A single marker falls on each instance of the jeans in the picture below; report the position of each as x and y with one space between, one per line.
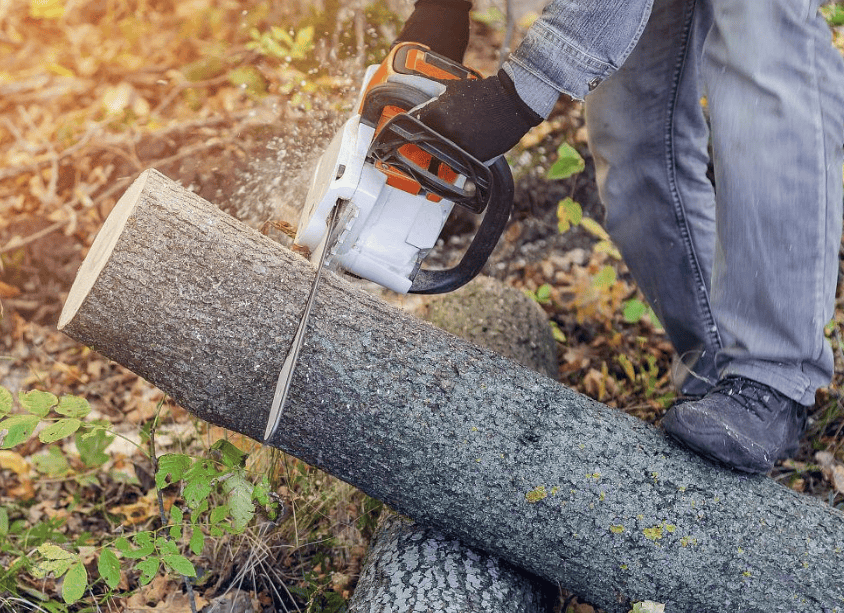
742 275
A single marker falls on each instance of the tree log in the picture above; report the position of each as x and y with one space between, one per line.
411 568
489 313
454 436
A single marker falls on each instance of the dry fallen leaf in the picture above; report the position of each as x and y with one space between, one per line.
140 511
173 602
832 469
15 462
8 291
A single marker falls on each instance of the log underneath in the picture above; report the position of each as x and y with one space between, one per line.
454 436
411 569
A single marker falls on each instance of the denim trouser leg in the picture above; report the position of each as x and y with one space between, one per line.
775 88
776 91
648 135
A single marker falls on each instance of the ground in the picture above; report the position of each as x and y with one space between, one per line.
93 93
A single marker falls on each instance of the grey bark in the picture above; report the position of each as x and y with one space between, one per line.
493 315
413 569
454 436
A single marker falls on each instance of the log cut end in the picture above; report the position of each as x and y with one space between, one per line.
101 250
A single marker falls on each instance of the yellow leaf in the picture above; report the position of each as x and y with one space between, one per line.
605 278
14 462
60 70
627 367
605 246
594 228
46 9
527 20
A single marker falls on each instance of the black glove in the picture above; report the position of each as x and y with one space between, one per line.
441 25
485 117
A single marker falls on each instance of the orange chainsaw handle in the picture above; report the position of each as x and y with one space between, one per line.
414 59
383 100
417 159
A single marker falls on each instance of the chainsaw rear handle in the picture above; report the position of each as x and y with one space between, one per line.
406 147
498 210
415 157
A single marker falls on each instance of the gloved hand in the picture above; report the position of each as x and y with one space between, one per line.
441 25
485 117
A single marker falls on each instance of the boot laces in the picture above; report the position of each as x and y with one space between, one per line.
751 395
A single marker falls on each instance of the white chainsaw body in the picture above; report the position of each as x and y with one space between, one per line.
385 232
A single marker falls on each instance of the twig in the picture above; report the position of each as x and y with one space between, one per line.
201 123
180 87
129 156
50 195
189 151
508 32
13 130
14 171
15 243
32 605
52 187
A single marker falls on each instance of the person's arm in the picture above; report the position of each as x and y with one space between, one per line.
441 25
570 48
573 46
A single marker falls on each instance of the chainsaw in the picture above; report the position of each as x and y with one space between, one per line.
399 181
385 187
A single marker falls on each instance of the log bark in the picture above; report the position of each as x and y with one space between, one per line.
456 437
411 568
500 318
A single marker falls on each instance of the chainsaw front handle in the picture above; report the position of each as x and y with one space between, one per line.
498 209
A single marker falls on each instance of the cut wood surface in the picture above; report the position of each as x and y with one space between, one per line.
454 436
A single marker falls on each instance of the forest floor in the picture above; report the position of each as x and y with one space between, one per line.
91 94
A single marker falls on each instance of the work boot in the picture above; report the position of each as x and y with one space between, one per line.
741 423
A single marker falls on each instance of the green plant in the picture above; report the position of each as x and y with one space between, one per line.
219 495
601 286
834 14
569 162
542 295
492 17
557 332
569 213
282 44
